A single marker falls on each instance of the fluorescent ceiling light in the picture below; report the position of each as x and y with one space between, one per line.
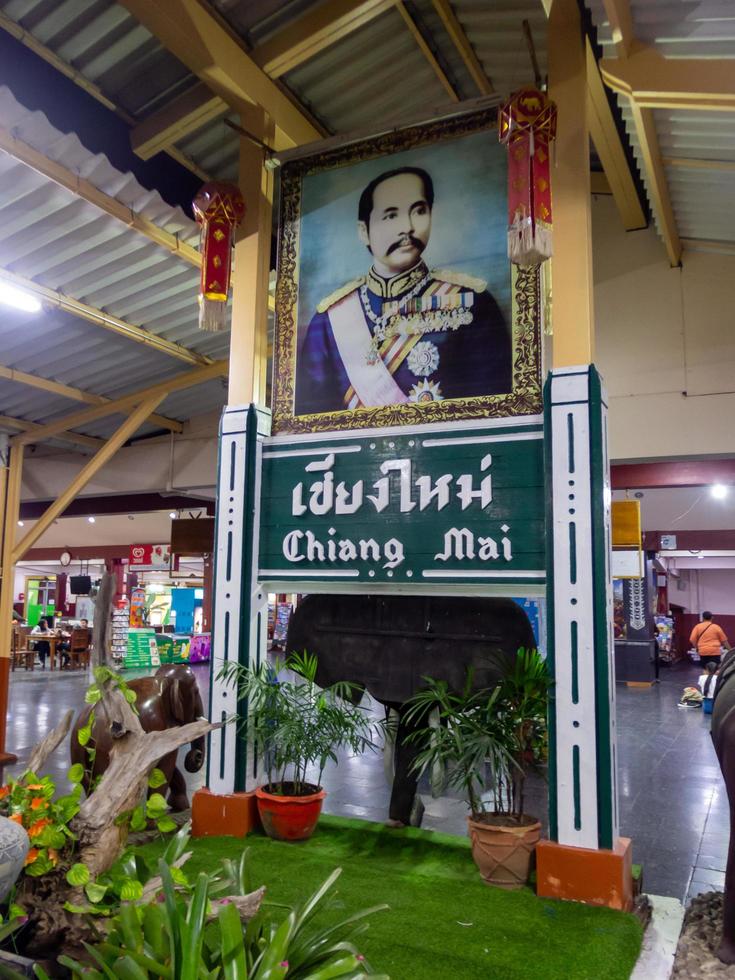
172 515
21 300
91 520
719 491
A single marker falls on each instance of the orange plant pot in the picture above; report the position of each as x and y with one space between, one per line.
289 818
503 854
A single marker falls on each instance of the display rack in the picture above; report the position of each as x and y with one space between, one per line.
119 644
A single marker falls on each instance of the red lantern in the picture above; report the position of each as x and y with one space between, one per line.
527 126
219 208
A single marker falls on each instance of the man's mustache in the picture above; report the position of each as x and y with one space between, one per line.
406 240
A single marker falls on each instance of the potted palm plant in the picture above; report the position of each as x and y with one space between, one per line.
488 740
296 728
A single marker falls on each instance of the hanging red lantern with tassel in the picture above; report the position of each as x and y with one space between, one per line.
219 208
527 126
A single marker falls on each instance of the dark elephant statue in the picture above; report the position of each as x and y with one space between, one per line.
388 644
168 699
723 736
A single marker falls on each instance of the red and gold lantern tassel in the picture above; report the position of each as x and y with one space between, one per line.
219 208
527 126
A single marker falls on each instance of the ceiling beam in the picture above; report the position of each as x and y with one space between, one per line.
427 50
621 25
658 187
176 120
689 163
704 245
193 32
124 404
105 320
599 184
608 144
314 31
461 42
67 391
21 425
93 195
655 82
104 454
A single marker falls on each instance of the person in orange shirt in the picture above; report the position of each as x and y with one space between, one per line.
708 639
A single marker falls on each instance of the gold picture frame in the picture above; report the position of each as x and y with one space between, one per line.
525 397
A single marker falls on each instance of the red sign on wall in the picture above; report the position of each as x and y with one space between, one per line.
149 556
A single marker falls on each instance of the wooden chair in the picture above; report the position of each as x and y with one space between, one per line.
21 652
79 647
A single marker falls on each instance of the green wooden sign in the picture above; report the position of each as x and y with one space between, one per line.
429 506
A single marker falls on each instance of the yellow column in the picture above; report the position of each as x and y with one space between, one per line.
11 509
573 310
249 337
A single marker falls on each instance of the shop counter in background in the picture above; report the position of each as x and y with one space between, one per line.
173 648
200 649
142 648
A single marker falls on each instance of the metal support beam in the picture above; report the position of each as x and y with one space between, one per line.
105 320
10 503
76 394
192 31
427 50
123 405
655 82
461 42
319 28
250 279
22 425
176 120
93 195
126 430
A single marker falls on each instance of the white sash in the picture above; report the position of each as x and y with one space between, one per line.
373 383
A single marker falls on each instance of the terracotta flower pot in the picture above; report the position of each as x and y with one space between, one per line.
287 817
503 853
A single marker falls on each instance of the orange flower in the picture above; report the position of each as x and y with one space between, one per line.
31 856
35 829
34 786
4 791
53 855
16 818
37 802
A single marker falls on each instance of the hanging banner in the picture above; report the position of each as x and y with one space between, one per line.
149 557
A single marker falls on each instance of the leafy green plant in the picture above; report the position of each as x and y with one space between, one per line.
294 723
487 739
193 934
30 801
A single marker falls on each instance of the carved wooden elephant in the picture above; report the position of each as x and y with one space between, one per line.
389 644
168 699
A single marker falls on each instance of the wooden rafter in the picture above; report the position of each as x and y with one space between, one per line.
59 174
187 113
76 394
105 320
107 451
22 425
621 25
655 82
426 50
192 31
313 32
690 163
123 405
461 42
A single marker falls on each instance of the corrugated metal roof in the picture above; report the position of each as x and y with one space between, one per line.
50 235
702 200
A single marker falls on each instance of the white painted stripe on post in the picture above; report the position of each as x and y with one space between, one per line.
489 573
228 578
316 451
610 620
269 573
573 603
477 440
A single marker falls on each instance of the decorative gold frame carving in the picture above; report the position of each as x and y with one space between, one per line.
526 395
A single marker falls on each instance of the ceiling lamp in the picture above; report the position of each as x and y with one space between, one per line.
18 298
90 519
719 491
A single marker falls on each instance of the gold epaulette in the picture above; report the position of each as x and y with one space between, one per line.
460 279
339 294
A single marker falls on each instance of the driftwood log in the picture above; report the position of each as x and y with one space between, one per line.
51 929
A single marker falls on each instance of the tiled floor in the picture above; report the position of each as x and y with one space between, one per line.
672 799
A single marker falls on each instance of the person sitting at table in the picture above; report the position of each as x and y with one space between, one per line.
43 647
63 646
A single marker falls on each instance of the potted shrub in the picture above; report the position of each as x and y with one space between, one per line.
489 740
296 728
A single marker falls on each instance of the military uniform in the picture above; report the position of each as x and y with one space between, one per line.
417 337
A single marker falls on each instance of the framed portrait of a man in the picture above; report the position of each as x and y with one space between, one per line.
396 302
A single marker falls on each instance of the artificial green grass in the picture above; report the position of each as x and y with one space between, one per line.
444 922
